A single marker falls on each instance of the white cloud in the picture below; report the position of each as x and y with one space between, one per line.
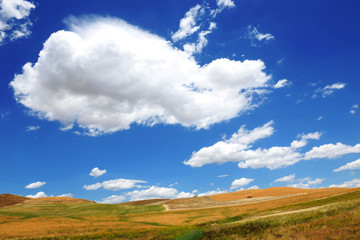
282 83
254 34
353 108
153 192
306 182
173 184
228 150
225 4
329 89
70 195
35 185
194 21
213 192
237 183
95 186
319 118
188 24
105 74
254 187
289 178
96 172
237 149
32 128
331 151
38 195
114 199
350 184
14 19
115 185
349 166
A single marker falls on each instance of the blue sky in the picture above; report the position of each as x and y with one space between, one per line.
125 100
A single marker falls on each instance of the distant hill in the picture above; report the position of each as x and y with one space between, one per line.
11 199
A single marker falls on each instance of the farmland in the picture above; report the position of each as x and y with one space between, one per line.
273 213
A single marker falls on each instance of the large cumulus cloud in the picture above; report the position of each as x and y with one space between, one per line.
104 74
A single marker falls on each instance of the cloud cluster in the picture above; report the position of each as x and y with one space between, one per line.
238 149
105 74
329 89
301 182
35 185
14 19
354 108
115 185
154 192
96 172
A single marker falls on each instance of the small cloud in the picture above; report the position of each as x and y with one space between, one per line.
96 172
319 118
35 185
237 183
173 184
214 192
282 83
289 178
353 108
221 176
66 195
254 34
280 61
6 114
32 128
38 195
95 186
222 4
212 184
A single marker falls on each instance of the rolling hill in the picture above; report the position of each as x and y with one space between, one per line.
256 213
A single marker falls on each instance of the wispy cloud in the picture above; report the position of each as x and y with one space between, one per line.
32 128
256 37
329 89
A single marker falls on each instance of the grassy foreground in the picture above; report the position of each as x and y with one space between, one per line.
336 217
